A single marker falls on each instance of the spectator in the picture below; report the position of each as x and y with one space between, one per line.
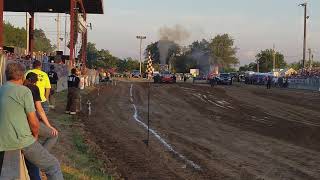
45 58
43 84
48 135
269 81
47 131
53 77
20 129
73 92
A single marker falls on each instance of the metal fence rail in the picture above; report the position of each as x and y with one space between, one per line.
308 84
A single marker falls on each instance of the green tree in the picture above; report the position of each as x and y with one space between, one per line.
295 65
127 65
109 60
132 64
153 48
223 51
316 64
265 59
184 63
248 67
92 55
154 51
14 36
199 46
42 43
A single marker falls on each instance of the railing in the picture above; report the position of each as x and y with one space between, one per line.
305 83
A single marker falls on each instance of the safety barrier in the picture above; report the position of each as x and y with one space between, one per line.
308 83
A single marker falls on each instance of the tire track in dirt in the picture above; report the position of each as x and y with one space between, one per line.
235 142
256 156
161 140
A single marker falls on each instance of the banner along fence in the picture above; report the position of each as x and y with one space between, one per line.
308 84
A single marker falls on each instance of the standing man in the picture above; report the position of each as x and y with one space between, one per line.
213 81
73 92
43 84
19 125
53 77
269 81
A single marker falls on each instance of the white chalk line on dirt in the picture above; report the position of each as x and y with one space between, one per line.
167 145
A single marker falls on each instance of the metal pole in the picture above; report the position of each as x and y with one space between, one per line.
31 33
140 56
274 58
304 36
309 50
141 38
27 33
149 84
311 63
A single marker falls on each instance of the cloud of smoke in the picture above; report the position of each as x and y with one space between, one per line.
169 36
203 60
177 33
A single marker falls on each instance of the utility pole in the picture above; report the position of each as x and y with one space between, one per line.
258 66
141 38
305 33
274 58
311 63
27 31
310 53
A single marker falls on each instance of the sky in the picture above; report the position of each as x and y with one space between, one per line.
255 25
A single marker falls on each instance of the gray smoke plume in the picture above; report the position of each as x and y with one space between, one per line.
177 33
169 36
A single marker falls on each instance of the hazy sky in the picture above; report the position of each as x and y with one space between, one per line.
254 24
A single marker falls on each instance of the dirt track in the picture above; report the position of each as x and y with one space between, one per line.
238 132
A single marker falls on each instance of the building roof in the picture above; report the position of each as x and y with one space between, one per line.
51 6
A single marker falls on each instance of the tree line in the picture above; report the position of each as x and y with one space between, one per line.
264 61
104 59
16 37
219 51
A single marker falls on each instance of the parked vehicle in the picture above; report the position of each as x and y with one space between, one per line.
224 78
164 77
136 74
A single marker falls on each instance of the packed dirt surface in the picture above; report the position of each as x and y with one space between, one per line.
200 132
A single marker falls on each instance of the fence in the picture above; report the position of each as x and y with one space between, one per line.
308 84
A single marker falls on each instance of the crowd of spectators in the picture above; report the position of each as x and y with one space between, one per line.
307 73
